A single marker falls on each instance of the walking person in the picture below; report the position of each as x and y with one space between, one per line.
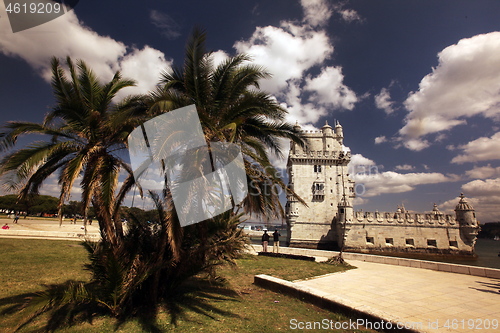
276 241
265 240
16 218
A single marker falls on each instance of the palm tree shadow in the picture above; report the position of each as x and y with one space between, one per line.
196 296
14 303
34 305
488 287
201 296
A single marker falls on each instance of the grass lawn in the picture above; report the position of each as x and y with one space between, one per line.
236 306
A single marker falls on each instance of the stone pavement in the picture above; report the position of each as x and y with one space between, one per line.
423 300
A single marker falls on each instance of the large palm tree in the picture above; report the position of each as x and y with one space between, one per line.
86 131
232 108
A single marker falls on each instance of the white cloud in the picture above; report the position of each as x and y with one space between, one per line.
370 181
145 67
482 149
289 51
304 114
383 101
327 89
393 182
316 12
63 36
51 187
219 57
380 139
357 201
347 14
361 164
67 36
482 188
167 25
483 172
416 144
404 167
465 83
350 15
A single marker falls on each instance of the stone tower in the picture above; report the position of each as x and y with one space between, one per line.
319 175
466 217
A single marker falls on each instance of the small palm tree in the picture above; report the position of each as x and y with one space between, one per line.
87 130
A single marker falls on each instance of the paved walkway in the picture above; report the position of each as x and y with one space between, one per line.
48 229
421 299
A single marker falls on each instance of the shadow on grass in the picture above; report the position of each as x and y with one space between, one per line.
197 295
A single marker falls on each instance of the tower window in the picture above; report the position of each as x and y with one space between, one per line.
319 186
431 243
317 168
454 244
370 241
318 191
410 242
389 241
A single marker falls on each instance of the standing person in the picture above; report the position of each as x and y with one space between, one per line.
16 218
265 240
276 241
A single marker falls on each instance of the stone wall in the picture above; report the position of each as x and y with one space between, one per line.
385 237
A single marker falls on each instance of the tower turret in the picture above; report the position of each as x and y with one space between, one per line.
297 127
343 220
466 217
345 212
436 213
339 132
328 137
327 129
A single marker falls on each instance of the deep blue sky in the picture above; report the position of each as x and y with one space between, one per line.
340 59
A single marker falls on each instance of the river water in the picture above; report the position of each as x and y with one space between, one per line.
487 255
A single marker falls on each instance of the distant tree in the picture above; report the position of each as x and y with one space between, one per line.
41 204
130 213
9 202
73 208
34 205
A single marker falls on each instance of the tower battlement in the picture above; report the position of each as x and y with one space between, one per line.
390 218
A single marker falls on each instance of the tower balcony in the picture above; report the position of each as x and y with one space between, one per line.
318 192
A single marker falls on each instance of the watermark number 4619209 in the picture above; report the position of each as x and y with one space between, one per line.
28 14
